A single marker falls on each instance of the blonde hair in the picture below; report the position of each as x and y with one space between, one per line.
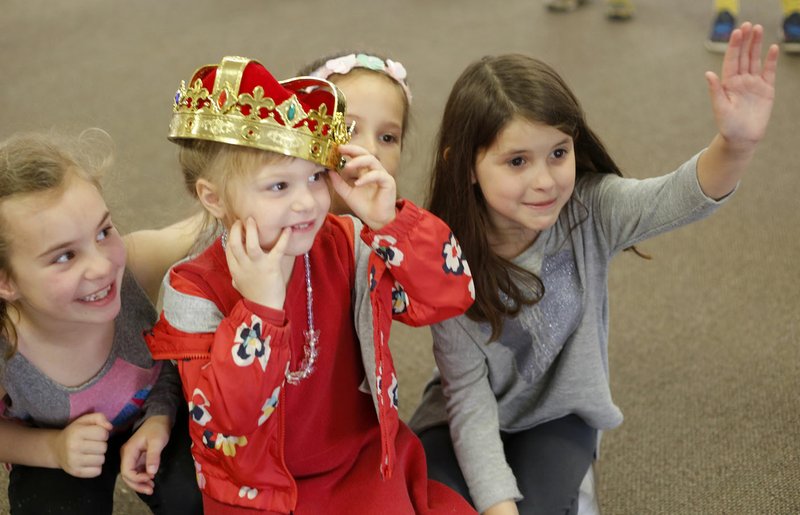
38 163
218 163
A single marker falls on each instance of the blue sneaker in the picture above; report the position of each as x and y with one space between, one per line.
721 31
790 37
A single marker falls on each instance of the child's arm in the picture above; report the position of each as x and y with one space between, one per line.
473 416
218 355
79 449
151 252
502 508
141 454
742 99
420 256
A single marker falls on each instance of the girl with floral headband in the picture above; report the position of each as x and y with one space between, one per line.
280 328
378 105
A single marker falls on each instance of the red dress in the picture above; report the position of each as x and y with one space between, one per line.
326 445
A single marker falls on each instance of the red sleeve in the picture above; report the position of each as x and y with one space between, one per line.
418 253
230 373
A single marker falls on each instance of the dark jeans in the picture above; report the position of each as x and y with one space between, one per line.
549 462
34 490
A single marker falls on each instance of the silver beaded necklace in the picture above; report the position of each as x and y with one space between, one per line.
311 334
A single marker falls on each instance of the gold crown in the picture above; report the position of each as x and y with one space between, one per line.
301 117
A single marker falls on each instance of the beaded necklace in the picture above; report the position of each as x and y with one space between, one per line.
311 334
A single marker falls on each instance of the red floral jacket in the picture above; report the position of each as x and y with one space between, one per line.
411 270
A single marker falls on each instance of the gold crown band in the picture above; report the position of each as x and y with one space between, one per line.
218 116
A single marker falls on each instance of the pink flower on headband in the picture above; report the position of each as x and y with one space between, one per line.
345 64
340 65
396 70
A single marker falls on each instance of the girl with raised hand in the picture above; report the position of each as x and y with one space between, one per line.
540 209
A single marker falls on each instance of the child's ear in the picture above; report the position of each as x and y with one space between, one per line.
210 197
8 289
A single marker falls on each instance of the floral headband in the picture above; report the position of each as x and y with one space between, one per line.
343 65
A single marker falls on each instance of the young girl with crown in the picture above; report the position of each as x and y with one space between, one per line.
280 328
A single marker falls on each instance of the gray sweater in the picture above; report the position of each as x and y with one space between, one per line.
551 360
128 389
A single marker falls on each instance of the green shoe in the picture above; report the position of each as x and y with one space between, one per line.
619 10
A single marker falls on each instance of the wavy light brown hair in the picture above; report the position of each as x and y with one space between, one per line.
37 163
484 99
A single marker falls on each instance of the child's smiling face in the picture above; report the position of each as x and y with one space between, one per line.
66 259
526 176
288 193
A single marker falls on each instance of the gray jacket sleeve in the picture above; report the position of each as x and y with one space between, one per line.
472 412
166 396
627 211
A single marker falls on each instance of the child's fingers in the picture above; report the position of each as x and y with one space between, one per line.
770 65
234 248
730 62
139 482
94 419
153 460
252 245
363 164
755 50
379 177
91 445
87 471
279 249
352 150
744 50
714 87
340 185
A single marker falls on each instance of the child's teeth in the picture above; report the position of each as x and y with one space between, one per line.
97 296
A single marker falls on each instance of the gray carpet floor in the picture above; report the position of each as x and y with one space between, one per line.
705 338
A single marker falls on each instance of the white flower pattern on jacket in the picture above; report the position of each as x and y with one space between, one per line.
384 246
250 344
198 408
454 262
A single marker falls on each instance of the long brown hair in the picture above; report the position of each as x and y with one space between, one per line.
484 99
